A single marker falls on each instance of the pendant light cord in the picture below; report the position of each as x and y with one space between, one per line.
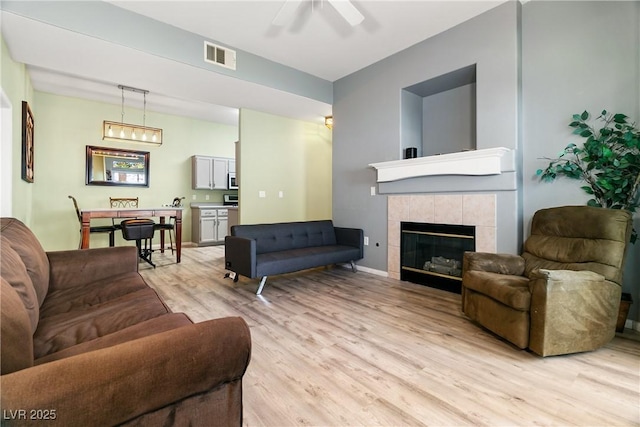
144 113
122 112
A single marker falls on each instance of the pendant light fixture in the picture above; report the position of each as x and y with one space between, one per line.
128 132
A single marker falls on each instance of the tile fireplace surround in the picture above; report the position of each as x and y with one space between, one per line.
478 210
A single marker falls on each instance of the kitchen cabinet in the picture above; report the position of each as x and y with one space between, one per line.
210 173
209 225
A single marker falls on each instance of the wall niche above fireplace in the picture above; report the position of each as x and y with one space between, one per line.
438 115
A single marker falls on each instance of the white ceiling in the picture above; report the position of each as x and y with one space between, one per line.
317 41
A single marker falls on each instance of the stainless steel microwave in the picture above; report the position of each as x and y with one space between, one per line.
232 184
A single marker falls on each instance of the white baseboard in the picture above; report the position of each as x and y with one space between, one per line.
373 271
367 270
632 324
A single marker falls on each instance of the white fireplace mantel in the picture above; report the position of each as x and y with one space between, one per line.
489 161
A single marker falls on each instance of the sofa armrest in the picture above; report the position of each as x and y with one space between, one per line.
116 384
240 255
350 237
78 267
493 263
571 311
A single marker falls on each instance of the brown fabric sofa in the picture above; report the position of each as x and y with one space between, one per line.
562 295
85 341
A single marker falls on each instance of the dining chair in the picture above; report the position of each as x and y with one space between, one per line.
95 229
122 202
170 226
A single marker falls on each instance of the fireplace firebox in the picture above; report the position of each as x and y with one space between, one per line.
431 254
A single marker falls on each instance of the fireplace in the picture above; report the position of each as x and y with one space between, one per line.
431 254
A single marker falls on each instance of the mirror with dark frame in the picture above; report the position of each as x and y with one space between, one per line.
115 166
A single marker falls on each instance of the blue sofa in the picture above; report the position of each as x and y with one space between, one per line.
261 250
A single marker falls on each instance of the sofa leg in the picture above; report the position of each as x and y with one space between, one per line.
353 267
262 282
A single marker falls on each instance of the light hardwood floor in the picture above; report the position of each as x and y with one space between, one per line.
334 348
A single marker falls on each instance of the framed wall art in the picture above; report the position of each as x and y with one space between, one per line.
27 142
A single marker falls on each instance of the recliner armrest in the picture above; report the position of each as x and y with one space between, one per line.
350 237
80 266
493 263
571 311
117 384
240 256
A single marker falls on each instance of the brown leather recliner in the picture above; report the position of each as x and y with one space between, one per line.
562 295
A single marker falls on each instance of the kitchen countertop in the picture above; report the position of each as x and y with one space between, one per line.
212 205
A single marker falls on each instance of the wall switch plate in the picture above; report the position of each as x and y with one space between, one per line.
206 197
373 191
281 194
366 240
262 194
193 197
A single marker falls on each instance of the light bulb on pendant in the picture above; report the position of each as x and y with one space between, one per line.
110 133
133 134
122 133
144 135
154 138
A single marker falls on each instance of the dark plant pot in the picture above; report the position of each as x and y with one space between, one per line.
623 312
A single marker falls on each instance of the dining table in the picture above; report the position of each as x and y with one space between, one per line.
162 213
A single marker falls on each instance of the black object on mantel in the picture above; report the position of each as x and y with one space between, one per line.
411 153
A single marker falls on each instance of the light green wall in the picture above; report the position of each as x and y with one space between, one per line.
16 85
281 154
65 125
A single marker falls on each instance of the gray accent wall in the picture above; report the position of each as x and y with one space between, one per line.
537 64
576 56
368 124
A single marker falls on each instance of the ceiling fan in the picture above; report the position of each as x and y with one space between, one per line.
344 7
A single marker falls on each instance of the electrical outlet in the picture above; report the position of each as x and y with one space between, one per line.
281 194
206 197
193 197
366 240
262 194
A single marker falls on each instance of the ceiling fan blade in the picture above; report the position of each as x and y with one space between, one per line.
285 14
348 11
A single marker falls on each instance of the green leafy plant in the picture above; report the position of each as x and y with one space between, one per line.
608 162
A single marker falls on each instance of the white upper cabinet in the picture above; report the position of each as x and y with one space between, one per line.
210 173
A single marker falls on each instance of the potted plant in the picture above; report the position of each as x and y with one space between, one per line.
609 164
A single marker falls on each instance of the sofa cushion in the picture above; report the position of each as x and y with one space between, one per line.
98 292
303 258
139 330
512 291
61 331
15 329
25 243
288 235
534 263
15 273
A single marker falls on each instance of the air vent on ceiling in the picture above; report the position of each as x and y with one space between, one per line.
218 55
